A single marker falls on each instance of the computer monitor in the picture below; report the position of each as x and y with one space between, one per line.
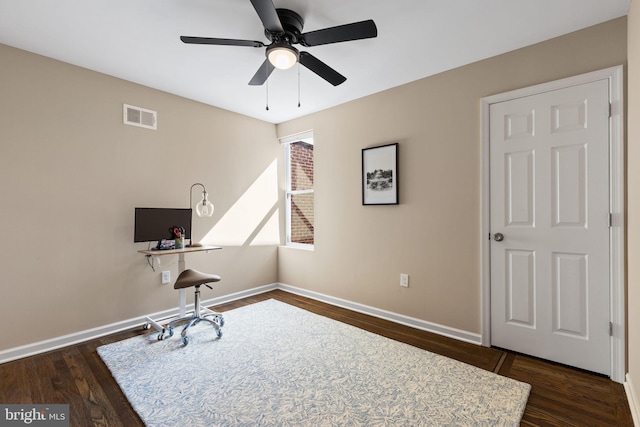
154 224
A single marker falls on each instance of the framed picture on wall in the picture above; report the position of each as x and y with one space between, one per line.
380 175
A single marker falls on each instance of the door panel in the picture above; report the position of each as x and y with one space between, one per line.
519 195
569 186
549 179
521 288
569 286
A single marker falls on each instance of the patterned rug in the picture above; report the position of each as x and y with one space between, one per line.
279 365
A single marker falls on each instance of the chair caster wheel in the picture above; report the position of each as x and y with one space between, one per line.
146 326
185 340
162 335
220 320
219 333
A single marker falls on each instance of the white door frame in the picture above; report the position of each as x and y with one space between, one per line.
617 174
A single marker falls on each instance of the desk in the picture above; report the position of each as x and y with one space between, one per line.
182 293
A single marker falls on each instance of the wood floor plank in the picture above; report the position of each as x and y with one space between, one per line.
116 405
15 385
43 373
96 407
568 396
560 396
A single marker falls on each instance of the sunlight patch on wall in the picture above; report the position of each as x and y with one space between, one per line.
253 219
269 234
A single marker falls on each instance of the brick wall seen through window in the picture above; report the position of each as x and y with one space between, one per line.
300 194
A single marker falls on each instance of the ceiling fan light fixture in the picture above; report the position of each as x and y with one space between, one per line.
282 56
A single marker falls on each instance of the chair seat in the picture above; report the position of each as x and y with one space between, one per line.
190 277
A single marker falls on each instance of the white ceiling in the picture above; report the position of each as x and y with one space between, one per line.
138 40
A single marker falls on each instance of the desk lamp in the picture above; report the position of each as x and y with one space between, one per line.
203 208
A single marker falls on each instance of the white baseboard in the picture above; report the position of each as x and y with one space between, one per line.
89 334
388 315
634 400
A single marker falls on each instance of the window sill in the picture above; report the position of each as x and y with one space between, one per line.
299 246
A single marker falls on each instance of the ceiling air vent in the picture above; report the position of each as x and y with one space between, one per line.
136 116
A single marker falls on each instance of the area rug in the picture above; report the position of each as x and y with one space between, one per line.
279 365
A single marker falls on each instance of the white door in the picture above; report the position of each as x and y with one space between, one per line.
549 184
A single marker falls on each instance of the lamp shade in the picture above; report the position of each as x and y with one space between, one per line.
204 207
282 56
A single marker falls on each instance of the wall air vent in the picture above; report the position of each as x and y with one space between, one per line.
136 116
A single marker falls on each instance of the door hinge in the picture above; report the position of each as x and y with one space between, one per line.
610 219
610 329
610 108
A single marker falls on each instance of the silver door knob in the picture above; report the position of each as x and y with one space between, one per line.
498 237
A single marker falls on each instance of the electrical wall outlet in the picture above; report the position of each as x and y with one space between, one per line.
404 280
166 277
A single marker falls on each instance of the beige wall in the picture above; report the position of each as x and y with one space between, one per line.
434 234
71 174
633 200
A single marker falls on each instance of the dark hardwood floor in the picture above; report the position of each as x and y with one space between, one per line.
560 396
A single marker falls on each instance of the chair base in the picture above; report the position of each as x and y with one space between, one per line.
216 321
211 317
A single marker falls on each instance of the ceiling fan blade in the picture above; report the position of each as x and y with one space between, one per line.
321 69
223 42
268 15
262 74
341 33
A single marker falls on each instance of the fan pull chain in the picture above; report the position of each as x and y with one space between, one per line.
298 84
267 86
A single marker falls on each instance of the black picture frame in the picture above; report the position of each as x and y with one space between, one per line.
380 175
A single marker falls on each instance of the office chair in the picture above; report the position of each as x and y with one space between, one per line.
186 279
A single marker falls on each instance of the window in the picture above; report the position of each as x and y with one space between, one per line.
299 189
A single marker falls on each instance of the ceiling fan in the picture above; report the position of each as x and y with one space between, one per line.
283 28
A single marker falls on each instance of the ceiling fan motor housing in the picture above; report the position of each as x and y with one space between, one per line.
292 23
